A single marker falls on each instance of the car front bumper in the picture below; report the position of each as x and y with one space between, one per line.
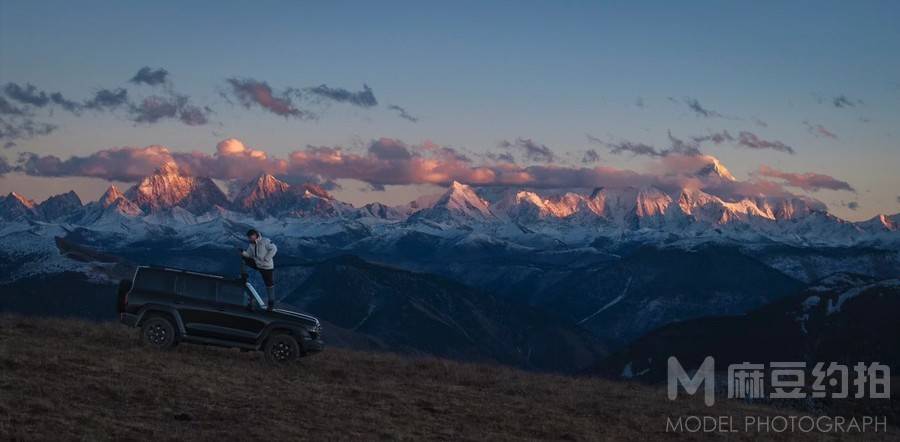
313 345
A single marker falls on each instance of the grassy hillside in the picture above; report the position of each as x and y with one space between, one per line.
73 380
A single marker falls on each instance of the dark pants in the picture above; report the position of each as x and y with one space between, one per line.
268 275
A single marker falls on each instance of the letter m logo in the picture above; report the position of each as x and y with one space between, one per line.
704 375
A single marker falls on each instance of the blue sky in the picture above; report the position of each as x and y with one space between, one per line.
478 73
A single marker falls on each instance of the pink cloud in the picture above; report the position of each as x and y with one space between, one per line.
252 92
388 161
385 161
232 160
819 131
807 181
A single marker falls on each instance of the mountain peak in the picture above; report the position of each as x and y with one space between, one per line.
22 199
58 206
168 188
265 177
261 192
15 206
316 190
111 195
456 185
268 184
715 169
462 194
884 222
268 196
651 201
115 199
70 197
459 203
168 168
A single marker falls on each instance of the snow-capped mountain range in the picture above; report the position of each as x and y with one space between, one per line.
616 261
574 218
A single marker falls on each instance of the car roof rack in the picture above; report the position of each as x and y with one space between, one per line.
185 271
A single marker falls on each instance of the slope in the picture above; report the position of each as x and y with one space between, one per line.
71 380
845 318
652 287
423 313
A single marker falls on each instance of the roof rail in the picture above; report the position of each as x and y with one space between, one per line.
189 272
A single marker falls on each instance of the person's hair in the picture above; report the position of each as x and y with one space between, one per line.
252 232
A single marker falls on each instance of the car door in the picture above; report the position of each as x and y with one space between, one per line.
240 322
196 302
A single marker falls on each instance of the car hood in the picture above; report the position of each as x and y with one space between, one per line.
292 316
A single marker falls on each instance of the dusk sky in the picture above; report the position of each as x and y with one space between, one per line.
384 101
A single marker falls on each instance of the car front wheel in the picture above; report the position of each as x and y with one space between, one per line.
281 349
158 332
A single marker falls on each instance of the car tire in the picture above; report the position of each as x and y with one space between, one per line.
281 348
158 332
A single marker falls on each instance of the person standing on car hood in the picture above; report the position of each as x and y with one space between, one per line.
259 255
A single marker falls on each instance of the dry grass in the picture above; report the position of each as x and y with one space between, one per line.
72 380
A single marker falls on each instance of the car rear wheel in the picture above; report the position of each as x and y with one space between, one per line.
282 348
158 332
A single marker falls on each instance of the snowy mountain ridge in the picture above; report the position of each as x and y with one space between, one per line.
647 214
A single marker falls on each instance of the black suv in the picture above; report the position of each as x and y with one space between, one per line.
172 306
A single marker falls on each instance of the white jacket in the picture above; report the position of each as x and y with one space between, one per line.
262 252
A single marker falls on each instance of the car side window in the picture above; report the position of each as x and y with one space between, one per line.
196 287
231 294
155 281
